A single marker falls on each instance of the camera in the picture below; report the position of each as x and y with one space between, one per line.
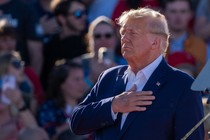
105 56
7 82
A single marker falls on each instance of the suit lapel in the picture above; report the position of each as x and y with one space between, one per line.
119 87
154 83
120 83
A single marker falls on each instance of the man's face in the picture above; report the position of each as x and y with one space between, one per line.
76 18
134 40
178 14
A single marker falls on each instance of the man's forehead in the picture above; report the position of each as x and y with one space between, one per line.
135 24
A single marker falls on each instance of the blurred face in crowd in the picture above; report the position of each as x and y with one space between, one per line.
7 43
16 67
74 85
178 14
76 18
104 36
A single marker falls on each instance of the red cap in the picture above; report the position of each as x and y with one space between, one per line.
177 58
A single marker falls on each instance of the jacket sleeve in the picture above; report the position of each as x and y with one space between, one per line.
92 114
189 113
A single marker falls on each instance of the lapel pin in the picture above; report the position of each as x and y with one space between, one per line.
158 83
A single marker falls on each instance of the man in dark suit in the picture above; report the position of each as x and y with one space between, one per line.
146 100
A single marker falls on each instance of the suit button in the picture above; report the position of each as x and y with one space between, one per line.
104 123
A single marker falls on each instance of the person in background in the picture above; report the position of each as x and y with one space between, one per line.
124 5
47 25
202 22
178 14
14 116
99 8
146 99
15 97
8 40
12 65
66 87
24 20
103 41
69 43
183 61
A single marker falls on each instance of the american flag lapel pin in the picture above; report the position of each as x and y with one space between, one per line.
158 83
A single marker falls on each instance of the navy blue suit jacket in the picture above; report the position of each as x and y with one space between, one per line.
173 113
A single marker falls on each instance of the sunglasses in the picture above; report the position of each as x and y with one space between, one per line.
106 35
78 13
17 64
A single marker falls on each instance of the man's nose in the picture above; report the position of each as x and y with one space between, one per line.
124 38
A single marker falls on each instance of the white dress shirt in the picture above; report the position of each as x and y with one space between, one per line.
140 79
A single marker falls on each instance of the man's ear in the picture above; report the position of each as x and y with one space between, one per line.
156 41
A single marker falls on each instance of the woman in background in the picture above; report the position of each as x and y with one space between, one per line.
8 41
12 66
15 93
66 87
103 40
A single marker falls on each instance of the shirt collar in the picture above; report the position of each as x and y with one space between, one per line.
147 71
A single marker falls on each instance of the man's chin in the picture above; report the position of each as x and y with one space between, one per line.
126 55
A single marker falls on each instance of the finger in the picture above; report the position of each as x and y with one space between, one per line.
144 93
143 103
144 98
133 89
139 96
139 108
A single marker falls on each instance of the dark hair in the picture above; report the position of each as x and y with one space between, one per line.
164 3
6 29
56 78
61 7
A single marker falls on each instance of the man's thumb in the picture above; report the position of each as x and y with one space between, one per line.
134 88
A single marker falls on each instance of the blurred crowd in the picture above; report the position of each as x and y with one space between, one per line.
53 51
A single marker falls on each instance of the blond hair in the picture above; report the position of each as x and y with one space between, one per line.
99 20
157 23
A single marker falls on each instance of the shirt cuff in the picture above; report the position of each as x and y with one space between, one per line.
114 115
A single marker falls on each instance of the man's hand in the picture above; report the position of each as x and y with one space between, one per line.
131 100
